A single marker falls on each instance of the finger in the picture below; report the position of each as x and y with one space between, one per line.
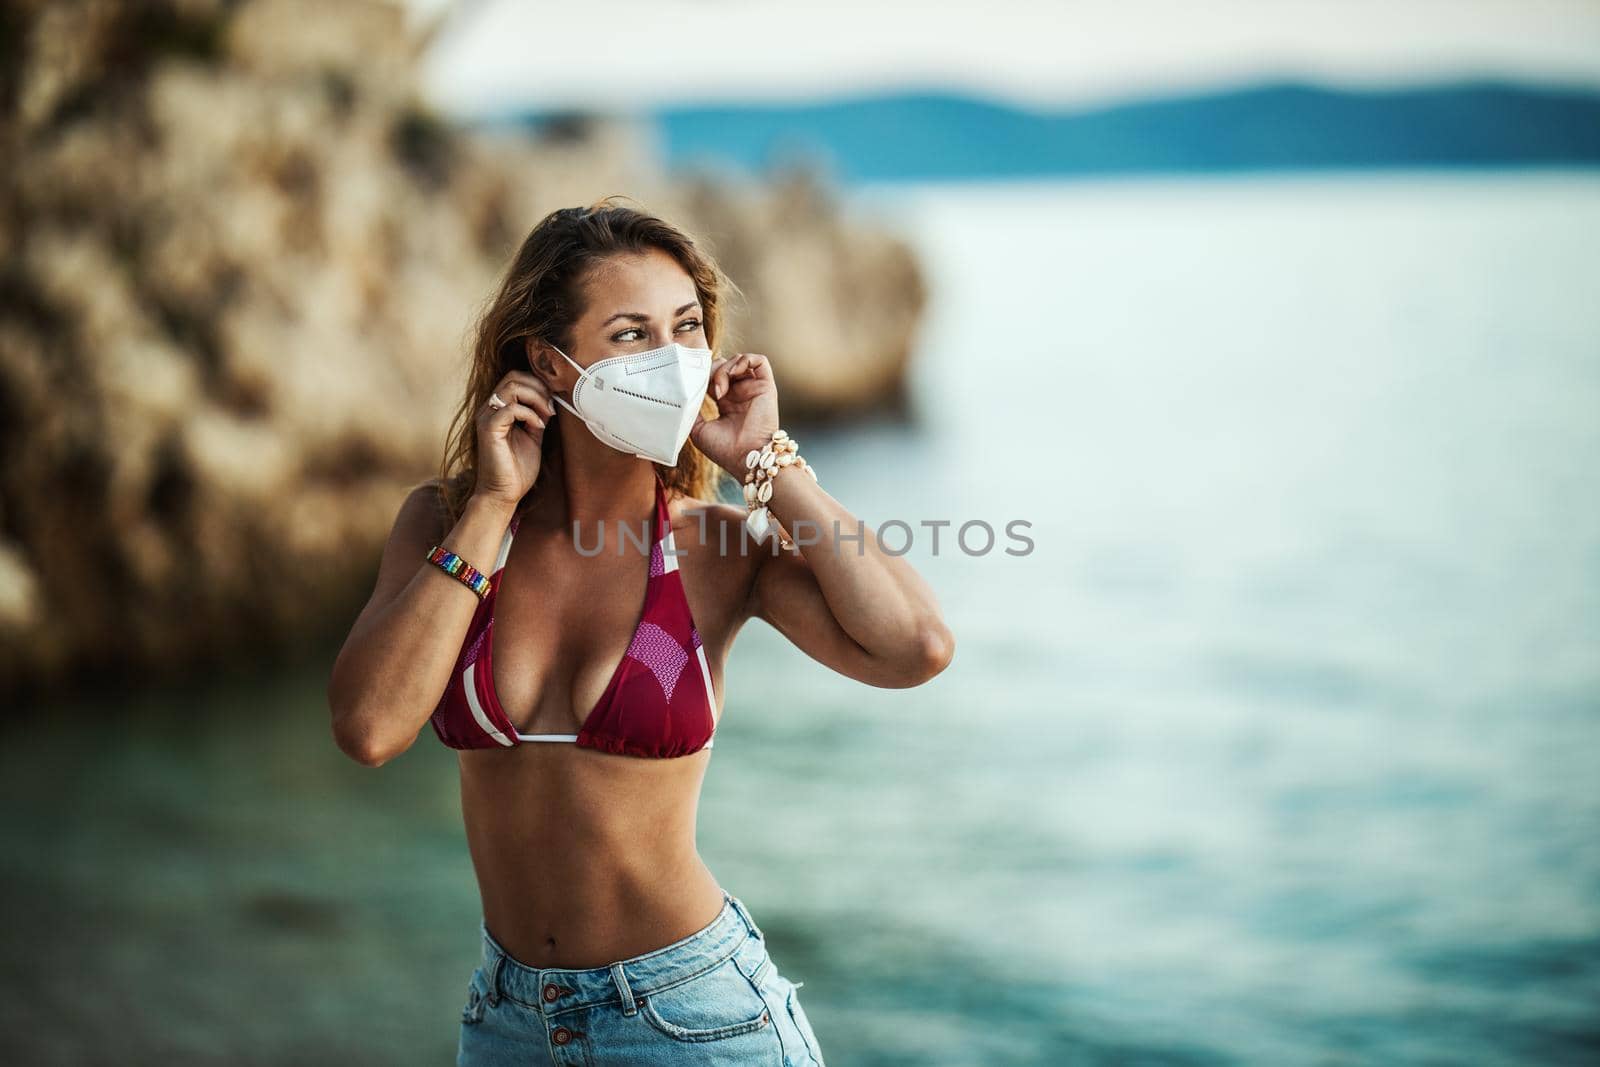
749 365
527 378
735 368
533 394
719 378
512 414
532 386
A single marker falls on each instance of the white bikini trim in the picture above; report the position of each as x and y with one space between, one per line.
574 737
669 554
705 673
467 678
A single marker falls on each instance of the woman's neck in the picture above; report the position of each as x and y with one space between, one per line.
594 484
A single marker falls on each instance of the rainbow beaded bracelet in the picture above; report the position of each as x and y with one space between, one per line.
460 569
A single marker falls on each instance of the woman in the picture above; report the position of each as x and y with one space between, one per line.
605 938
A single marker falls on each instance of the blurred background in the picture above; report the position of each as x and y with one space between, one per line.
1277 323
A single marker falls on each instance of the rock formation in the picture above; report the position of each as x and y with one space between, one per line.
242 260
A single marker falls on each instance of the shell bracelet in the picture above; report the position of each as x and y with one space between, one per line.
761 467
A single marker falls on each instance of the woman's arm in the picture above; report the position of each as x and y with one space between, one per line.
841 599
844 602
396 662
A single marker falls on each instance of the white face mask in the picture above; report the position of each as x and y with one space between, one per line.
644 403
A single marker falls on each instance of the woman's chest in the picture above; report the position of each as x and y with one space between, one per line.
563 623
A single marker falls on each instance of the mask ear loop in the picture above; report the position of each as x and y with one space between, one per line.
580 370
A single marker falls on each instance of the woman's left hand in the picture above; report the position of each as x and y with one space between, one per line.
747 411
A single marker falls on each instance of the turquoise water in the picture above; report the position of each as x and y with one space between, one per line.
1278 748
926 134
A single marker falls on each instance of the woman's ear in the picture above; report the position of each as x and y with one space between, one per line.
539 361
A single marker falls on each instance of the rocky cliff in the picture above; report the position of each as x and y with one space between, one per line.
242 258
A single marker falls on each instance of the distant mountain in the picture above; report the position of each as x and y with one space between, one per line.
942 135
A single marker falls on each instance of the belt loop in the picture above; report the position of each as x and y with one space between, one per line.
744 913
629 1005
496 958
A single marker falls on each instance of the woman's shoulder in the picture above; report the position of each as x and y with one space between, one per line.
690 513
435 489
715 530
427 504
718 559
702 527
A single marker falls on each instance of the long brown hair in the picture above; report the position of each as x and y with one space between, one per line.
541 297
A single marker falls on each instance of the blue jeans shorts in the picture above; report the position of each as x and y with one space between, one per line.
714 997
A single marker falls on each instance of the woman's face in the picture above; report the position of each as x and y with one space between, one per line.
634 303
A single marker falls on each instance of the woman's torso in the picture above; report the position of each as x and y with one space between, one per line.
585 857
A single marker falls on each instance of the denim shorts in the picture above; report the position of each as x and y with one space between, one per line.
714 997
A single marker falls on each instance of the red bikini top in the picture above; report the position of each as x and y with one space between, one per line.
659 703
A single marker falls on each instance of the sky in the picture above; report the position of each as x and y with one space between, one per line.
493 55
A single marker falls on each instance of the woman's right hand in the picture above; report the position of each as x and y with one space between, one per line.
510 437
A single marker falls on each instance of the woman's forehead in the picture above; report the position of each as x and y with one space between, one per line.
636 284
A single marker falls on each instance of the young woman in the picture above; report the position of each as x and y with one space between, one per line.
508 613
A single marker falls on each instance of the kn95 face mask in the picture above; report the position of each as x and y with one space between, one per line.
645 402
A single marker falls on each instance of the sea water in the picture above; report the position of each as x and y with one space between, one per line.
1276 746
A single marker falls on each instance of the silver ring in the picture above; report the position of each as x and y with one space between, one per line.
495 403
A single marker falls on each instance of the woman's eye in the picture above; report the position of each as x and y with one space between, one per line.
635 333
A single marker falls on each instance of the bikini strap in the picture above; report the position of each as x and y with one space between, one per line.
663 516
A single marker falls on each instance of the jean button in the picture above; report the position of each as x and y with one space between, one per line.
561 1035
551 993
